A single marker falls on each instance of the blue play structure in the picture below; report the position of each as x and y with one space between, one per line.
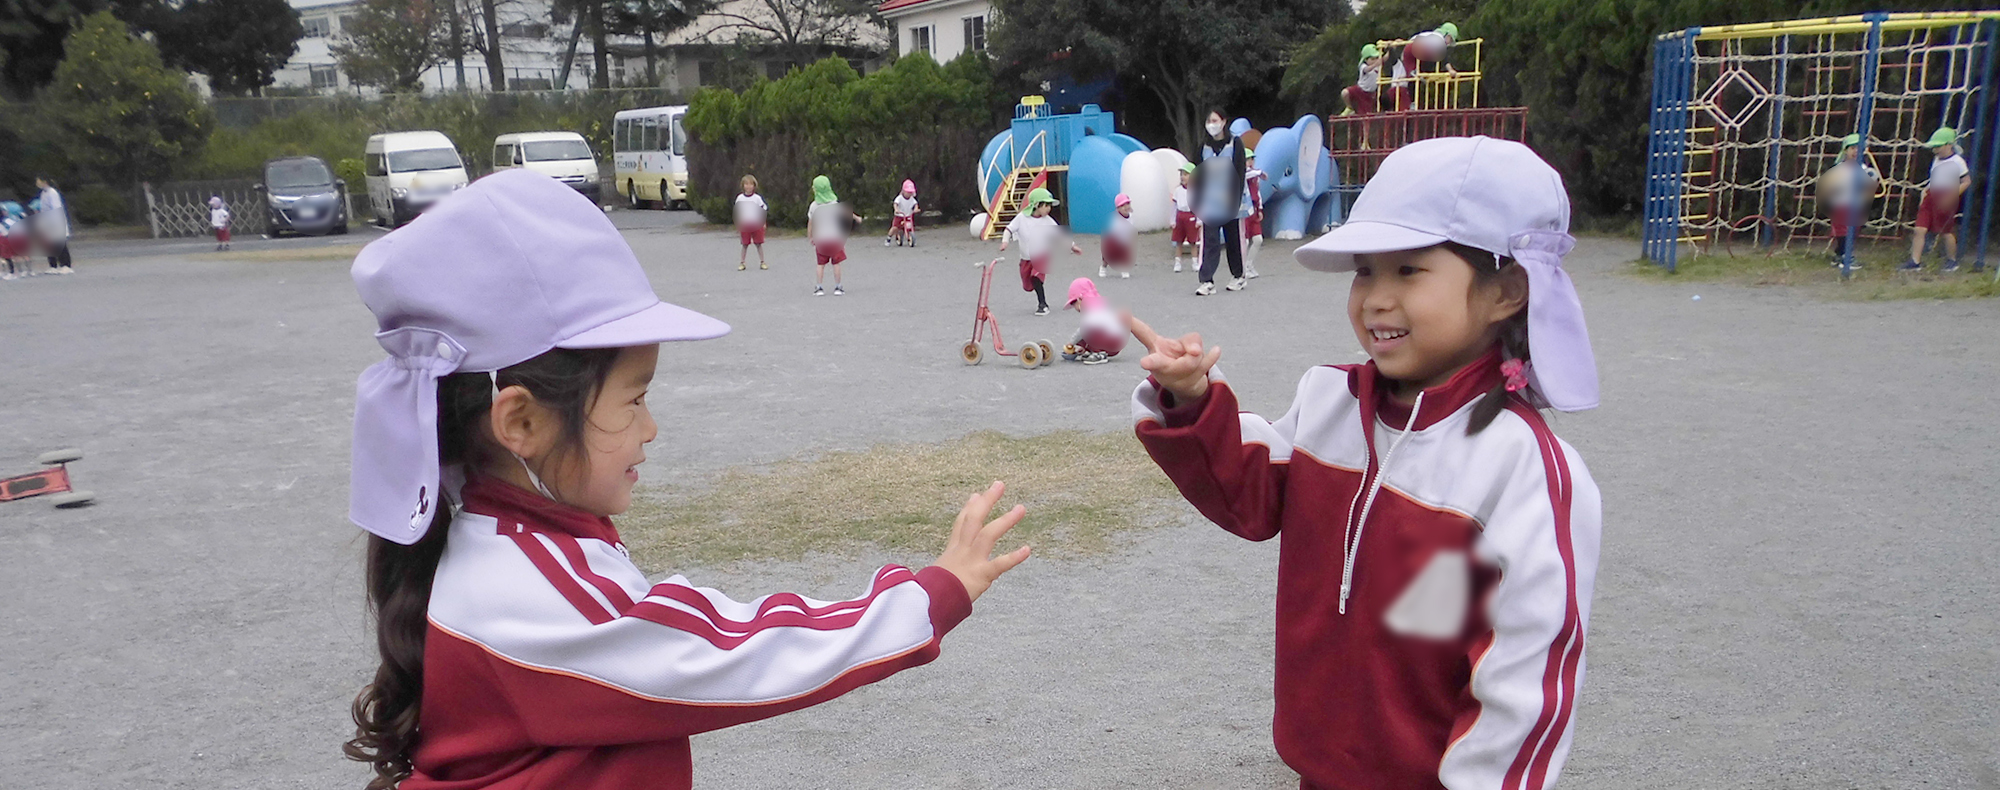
1039 143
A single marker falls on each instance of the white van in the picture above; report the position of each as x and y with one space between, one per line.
408 172
564 156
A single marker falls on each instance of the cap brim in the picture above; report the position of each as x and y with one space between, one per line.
661 323
1335 251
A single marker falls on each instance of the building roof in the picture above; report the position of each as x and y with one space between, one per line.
899 7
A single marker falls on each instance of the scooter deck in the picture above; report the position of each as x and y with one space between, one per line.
53 480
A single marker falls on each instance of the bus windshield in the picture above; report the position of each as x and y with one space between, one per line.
680 137
423 159
556 150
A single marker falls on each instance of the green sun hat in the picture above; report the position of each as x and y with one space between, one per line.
1370 51
823 190
1187 167
1850 141
1449 30
1041 195
1945 135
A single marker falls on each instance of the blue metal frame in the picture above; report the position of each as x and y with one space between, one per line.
1666 154
1989 130
1777 151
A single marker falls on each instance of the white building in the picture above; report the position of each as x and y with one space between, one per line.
943 28
532 50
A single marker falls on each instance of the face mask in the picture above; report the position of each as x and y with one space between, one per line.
1215 128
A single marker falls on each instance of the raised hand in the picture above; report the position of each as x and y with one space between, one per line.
1180 365
969 552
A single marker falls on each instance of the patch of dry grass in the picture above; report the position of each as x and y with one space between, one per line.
335 252
1877 277
1080 489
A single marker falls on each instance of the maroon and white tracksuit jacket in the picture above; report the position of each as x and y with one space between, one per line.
552 663
1446 648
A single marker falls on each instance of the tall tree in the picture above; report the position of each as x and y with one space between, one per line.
239 44
32 33
115 112
496 69
1189 54
801 30
390 43
652 20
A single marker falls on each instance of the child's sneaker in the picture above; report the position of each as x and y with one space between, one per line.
742 267
1204 289
913 242
1910 265
886 240
819 290
1095 358
839 291
1103 271
1250 272
763 265
1042 310
1950 266
1124 275
1177 266
6 275
1237 284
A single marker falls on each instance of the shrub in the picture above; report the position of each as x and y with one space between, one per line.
913 120
97 204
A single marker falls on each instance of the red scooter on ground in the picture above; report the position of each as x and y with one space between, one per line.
1032 355
53 480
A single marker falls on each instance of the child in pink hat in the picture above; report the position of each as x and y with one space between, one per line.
520 646
218 218
1441 641
1101 332
1119 236
903 224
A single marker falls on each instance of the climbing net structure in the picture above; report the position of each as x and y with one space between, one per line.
1746 118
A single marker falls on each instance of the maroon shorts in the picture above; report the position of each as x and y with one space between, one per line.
1840 223
1361 101
222 235
1185 229
908 223
1034 270
751 234
1253 226
8 249
1107 343
1116 253
829 252
1938 213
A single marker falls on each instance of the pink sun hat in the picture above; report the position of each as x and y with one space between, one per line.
909 186
506 269
1121 200
1083 290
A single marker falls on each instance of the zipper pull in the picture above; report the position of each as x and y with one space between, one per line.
1345 588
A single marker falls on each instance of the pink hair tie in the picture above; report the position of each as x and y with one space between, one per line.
1515 380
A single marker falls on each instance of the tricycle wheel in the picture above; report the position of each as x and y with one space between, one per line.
72 499
61 456
1048 352
971 353
1031 355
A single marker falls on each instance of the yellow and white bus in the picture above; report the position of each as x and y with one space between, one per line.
649 156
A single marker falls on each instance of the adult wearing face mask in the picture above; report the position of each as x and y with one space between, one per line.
1219 204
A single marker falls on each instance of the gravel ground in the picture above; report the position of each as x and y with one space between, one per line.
1795 591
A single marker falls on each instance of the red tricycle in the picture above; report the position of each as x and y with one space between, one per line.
53 480
1032 355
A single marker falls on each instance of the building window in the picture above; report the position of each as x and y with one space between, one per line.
346 23
975 34
524 29
920 39
325 77
705 74
317 26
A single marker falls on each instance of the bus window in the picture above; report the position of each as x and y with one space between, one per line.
618 128
649 134
680 137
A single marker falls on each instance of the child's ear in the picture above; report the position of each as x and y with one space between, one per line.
1511 292
519 423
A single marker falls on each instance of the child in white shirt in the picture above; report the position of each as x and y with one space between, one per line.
1038 234
750 213
1118 239
218 218
1187 232
903 226
826 225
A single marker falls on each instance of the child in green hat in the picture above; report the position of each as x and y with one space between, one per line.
1360 96
1038 234
1845 198
827 223
1938 213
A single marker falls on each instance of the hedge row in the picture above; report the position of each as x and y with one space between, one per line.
913 120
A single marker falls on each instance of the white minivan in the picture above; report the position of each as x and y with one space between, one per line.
563 156
408 172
